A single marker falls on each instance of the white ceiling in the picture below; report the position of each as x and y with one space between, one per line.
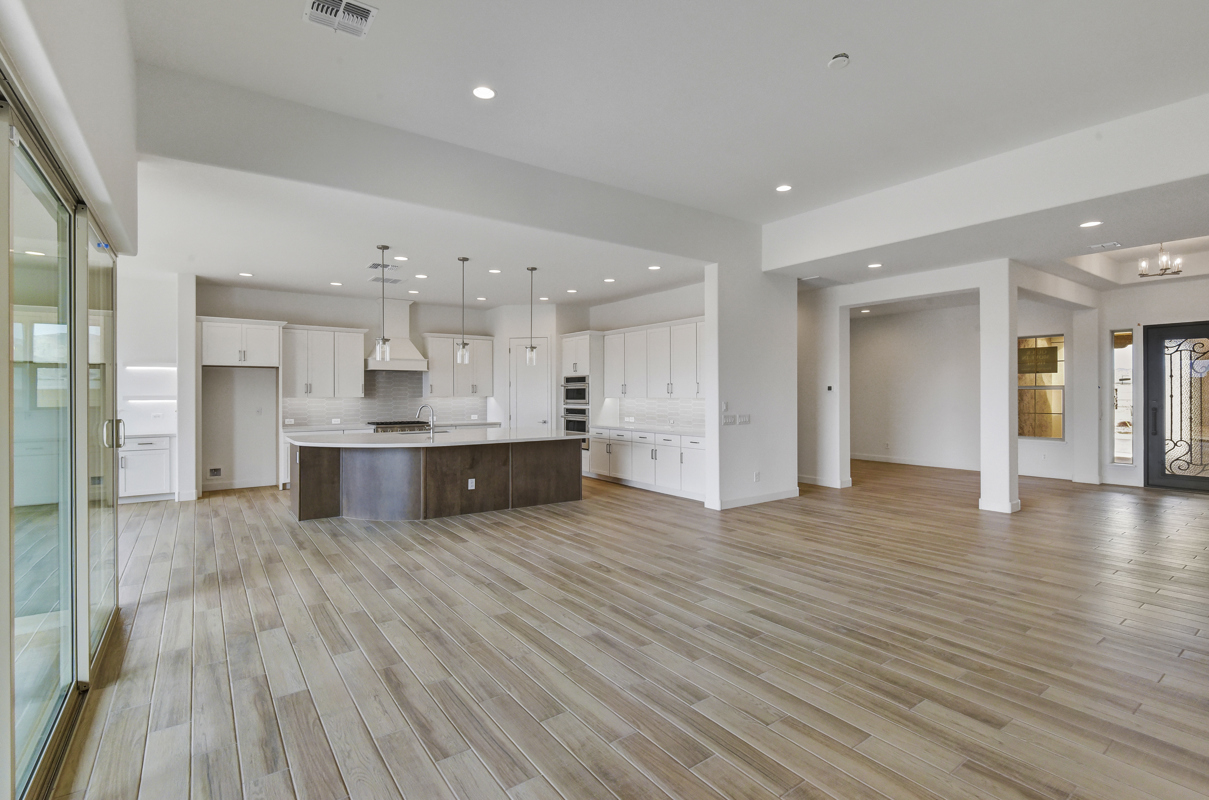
712 103
300 237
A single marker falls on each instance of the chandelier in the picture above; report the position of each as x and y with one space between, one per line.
1165 264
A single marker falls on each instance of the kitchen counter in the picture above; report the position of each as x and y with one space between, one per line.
408 476
438 438
288 429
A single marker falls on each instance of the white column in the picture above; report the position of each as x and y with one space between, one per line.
1083 396
833 396
188 385
997 348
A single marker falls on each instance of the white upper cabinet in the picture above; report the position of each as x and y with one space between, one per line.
482 368
614 364
236 343
658 362
322 362
463 374
440 366
683 378
634 385
350 364
575 356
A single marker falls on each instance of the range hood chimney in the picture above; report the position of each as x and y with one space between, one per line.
404 357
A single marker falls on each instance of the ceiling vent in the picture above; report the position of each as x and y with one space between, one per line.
1105 246
341 15
382 279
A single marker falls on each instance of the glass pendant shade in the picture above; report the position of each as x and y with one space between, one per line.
531 356
382 350
463 354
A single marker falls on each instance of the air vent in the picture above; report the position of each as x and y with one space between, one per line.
382 279
387 267
1105 246
341 15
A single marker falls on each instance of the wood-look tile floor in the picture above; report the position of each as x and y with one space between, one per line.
886 641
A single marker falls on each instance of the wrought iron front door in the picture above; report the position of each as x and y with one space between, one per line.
1177 406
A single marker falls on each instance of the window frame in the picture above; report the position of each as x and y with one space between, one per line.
1051 387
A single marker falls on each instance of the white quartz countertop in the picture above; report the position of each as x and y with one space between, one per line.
451 438
629 426
288 429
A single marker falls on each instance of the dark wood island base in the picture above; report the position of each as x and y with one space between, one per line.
409 483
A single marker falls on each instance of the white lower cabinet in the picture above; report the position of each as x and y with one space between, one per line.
144 467
670 463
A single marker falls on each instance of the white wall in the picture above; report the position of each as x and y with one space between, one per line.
239 427
146 337
648 309
915 387
73 61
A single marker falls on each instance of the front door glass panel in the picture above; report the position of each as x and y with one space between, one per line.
1186 433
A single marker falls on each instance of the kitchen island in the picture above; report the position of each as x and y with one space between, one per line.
408 476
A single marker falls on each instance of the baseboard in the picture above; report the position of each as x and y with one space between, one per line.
146 498
762 498
1002 508
813 481
910 462
184 496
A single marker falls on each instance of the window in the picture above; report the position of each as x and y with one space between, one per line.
1041 375
1122 397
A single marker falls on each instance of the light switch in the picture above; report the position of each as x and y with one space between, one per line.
728 419
745 419
335 422
289 422
474 416
470 483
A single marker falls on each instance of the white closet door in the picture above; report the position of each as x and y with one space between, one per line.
658 362
293 363
684 361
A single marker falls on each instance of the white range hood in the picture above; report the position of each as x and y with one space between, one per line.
404 357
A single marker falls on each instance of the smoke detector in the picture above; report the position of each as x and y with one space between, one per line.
340 15
1105 246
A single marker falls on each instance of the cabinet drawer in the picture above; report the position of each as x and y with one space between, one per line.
600 433
693 442
146 443
645 438
625 436
667 440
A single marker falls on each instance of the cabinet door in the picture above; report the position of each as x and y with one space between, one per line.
568 357
684 361
146 473
293 363
692 471
658 362
321 363
643 455
700 355
667 467
440 367
482 359
350 364
598 456
575 356
222 344
614 366
463 374
635 364
621 463
261 346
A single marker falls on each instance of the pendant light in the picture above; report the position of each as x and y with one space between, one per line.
531 350
382 347
463 348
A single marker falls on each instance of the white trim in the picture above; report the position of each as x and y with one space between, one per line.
293 327
647 327
1010 508
761 498
7 645
233 320
815 481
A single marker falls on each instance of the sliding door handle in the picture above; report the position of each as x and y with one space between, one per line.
1154 419
121 433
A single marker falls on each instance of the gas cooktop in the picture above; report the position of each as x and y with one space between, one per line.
400 425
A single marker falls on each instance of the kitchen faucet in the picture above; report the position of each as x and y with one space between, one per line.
432 415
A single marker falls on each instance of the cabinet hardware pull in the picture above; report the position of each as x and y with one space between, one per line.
682 458
122 462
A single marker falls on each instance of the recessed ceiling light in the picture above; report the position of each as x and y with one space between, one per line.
245 274
482 298
653 267
494 271
412 291
864 311
34 253
400 258
874 266
572 291
1091 224
784 187
484 93
838 61
609 280
337 284
421 276
543 298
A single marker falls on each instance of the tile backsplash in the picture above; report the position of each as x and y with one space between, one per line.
388 396
689 414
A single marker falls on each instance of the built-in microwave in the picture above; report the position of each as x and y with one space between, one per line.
575 390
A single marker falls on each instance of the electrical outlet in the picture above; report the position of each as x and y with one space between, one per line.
470 483
887 445
474 416
745 419
335 422
215 472
728 419
629 419
289 422
756 477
